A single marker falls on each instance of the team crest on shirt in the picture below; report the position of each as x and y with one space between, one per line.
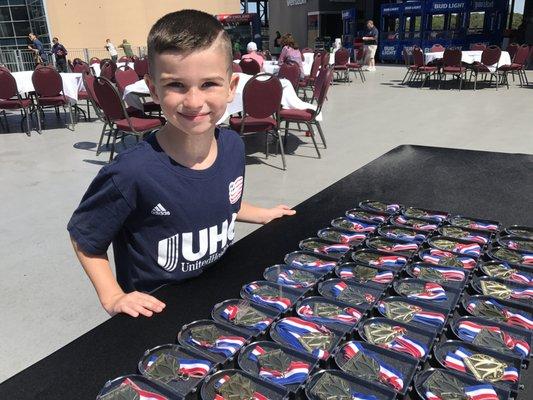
235 190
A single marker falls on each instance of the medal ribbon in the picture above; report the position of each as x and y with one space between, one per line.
218 384
469 249
401 220
389 261
296 372
455 360
381 277
338 288
226 345
360 226
333 249
423 317
292 328
188 367
278 302
285 278
468 330
316 265
417 237
347 316
398 248
477 392
405 344
484 226
387 374
512 318
527 259
522 293
143 394
230 312
518 276
433 256
432 291
352 237
361 396
448 274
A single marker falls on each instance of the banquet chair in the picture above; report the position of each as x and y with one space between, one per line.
411 67
107 69
48 87
249 66
125 77
421 68
10 99
488 65
307 82
325 60
261 99
237 55
81 67
356 65
342 56
307 50
70 65
308 117
436 48
140 65
478 46
115 113
512 49
452 65
94 60
236 67
518 64
290 71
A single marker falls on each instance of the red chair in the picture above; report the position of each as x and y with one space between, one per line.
290 71
140 66
512 50
342 57
94 60
325 60
261 99
421 69
48 87
128 76
357 66
452 65
518 65
10 99
478 47
237 55
488 65
308 81
115 112
236 67
411 67
308 117
437 48
108 69
81 68
124 59
249 66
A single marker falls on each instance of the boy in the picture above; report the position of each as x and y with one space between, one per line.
169 204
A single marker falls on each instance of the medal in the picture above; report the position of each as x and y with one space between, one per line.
380 206
352 295
447 259
212 339
394 338
277 367
166 368
391 246
333 387
439 275
267 296
413 212
474 224
245 315
324 313
443 386
236 387
493 310
317 246
506 272
469 249
364 274
379 260
404 234
404 312
366 216
517 243
338 236
414 223
427 291
305 335
461 233
482 366
513 256
309 262
129 390
503 291
356 226
295 278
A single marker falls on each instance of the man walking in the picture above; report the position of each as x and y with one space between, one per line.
371 45
126 46
40 55
110 47
59 51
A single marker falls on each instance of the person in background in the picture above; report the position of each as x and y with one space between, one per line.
291 52
252 53
59 51
277 43
126 46
371 45
38 49
110 47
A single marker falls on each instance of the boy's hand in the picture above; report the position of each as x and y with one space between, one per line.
277 212
134 304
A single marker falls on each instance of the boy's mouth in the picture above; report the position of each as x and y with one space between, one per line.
194 117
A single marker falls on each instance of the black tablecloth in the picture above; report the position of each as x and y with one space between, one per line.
481 184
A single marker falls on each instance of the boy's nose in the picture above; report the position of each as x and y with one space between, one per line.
194 99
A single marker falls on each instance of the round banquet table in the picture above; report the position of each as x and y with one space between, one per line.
72 83
96 67
469 57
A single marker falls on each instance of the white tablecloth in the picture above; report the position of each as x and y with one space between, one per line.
470 56
72 83
271 67
96 67
289 99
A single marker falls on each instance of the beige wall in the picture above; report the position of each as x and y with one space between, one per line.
87 24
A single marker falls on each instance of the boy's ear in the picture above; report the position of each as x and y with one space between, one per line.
233 83
151 86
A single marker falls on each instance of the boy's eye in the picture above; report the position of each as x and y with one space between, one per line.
209 84
174 84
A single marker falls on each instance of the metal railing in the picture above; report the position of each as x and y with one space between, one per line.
24 60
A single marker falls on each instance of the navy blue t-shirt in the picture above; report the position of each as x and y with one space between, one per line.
166 222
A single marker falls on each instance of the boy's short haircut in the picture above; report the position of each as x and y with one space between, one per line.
187 31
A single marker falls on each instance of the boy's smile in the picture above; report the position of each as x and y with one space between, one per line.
193 89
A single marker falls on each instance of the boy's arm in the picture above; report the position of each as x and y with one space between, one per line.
112 297
259 215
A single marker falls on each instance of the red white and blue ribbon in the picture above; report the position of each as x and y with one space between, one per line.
518 276
143 394
422 316
477 392
522 293
348 237
405 344
512 318
434 256
339 287
382 277
362 396
225 345
469 249
482 226
292 328
415 237
347 316
286 278
423 226
278 302
316 265
400 247
389 261
332 249
226 378
188 367
387 374
527 259
455 360
448 273
432 291
468 330
360 226
230 312
296 372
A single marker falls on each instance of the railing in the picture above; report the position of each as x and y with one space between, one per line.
24 60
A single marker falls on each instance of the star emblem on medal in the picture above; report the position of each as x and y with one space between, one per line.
235 190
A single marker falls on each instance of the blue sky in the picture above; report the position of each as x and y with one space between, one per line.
519 6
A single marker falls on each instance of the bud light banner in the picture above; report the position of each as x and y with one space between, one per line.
412 7
437 6
388 51
390 9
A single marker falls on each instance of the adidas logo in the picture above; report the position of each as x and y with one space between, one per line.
160 210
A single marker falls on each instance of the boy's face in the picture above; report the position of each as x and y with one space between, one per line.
193 89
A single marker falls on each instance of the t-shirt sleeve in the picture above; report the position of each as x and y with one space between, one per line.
101 214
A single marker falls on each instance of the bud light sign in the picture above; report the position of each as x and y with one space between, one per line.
388 51
445 6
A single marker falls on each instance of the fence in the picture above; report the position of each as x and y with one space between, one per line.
24 60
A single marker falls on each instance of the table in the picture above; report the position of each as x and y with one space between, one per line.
72 83
290 100
483 184
470 57
96 67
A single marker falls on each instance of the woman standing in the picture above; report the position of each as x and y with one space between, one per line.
291 52
277 43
